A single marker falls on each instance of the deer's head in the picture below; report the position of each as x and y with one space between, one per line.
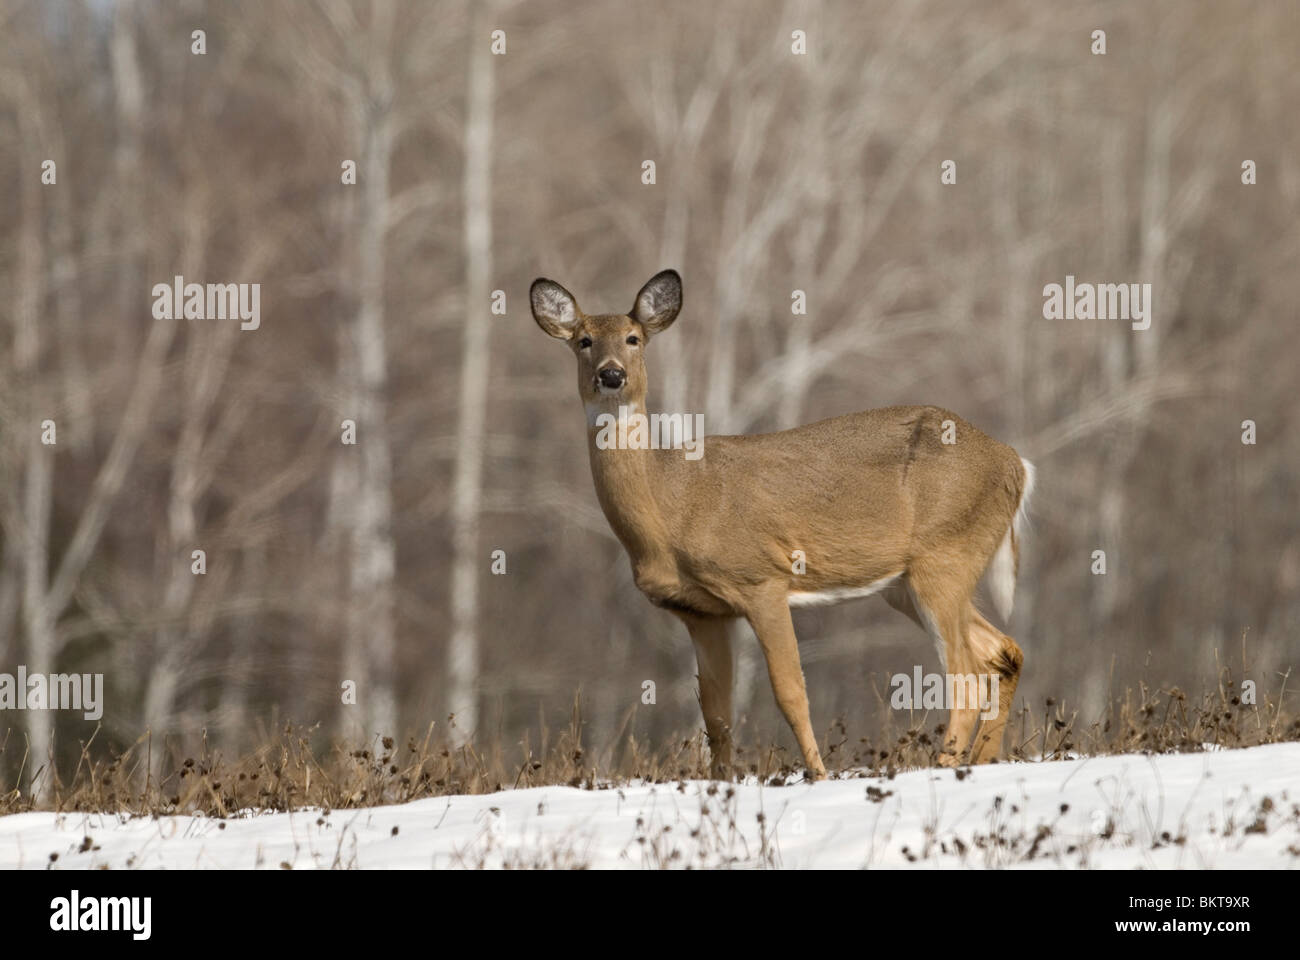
610 347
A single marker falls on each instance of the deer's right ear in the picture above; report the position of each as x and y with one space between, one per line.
554 308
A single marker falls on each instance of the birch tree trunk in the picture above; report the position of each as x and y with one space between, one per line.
38 624
203 375
811 227
371 640
467 488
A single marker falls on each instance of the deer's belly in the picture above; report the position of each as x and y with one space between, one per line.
814 598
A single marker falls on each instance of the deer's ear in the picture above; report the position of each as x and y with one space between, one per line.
659 301
554 308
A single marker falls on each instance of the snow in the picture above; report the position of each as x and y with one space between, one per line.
1103 812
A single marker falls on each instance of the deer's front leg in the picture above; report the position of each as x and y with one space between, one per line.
712 638
771 621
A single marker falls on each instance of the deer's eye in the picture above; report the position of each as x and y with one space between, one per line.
584 343
634 340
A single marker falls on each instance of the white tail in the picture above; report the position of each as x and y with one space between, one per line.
1006 562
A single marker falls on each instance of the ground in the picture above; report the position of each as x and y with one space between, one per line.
1218 809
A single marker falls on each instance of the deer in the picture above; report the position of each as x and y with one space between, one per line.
909 502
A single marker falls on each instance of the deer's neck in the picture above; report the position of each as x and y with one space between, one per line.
626 480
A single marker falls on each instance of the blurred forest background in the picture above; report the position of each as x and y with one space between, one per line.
477 172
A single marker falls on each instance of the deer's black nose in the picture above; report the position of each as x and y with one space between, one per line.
612 377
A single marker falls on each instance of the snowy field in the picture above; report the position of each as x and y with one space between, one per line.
1236 808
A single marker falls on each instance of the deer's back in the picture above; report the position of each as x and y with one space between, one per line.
883 475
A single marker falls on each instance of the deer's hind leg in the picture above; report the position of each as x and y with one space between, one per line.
999 657
938 597
969 645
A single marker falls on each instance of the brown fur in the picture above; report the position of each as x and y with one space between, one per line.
867 497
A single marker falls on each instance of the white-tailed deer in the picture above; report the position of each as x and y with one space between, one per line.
910 502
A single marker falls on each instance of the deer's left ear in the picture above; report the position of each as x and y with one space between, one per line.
659 302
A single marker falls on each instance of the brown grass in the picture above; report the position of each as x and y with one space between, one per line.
298 767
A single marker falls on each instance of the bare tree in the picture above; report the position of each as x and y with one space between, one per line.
467 484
